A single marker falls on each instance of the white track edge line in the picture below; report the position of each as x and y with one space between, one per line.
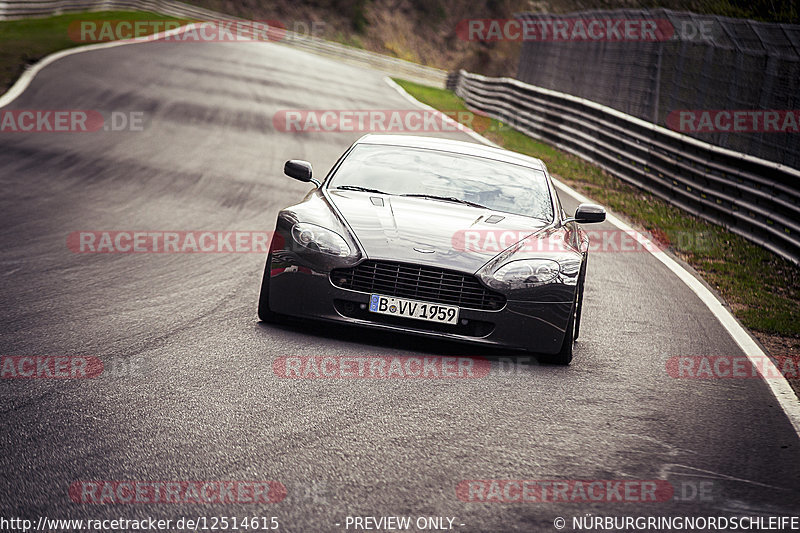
779 386
28 75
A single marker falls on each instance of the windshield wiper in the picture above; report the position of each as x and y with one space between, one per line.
358 188
446 199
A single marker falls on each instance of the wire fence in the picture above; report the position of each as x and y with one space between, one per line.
730 82
752 197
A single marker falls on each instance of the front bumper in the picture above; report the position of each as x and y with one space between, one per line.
301 289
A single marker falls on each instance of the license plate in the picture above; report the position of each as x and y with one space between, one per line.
389 305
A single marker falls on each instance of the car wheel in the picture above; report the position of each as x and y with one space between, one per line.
564 356
579 309
264 312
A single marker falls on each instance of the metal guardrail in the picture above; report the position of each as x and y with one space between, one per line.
752 197
17 9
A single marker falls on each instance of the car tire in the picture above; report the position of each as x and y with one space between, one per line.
579 310
264 312
564 355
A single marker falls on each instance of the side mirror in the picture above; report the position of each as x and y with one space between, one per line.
588 214
299 170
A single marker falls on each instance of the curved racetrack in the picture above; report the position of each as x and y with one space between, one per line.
201 401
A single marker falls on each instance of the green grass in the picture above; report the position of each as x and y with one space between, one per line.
348 40
762 288
23 42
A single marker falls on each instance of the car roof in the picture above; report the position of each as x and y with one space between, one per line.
449 145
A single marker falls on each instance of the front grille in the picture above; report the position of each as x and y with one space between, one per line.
418 282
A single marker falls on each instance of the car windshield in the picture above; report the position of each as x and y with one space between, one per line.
493 184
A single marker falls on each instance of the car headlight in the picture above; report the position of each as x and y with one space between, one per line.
526 272
320 239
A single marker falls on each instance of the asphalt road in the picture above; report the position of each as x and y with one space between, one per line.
189 392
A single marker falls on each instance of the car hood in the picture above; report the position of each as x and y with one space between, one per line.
430 232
